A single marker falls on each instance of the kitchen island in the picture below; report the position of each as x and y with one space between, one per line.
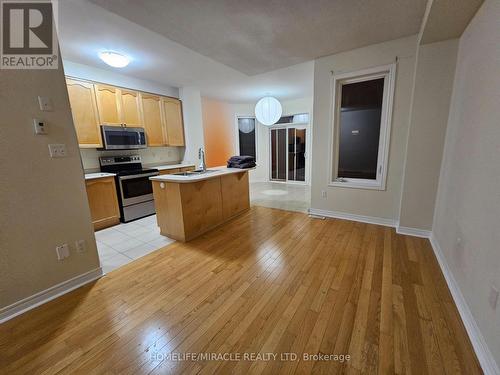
190 204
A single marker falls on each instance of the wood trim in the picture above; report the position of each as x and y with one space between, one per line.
49 294
483 353
352 217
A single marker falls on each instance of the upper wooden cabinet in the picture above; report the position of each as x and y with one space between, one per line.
118 106
108 104
95 104
153 119
129 105
172 111
84 109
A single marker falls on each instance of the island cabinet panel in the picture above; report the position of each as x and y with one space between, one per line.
170 216
108 105
153 122
186 210
202 206
235 194
84 110
103 202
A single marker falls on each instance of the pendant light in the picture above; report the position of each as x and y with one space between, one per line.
268 110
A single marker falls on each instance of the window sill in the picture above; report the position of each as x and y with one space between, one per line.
357 185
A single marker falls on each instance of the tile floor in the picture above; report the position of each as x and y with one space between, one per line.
125 242
291 197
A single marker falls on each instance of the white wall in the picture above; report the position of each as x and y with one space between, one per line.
374 203
468 203
43 202
193 123
114 78
431 103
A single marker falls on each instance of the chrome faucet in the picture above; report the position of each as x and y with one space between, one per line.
201 156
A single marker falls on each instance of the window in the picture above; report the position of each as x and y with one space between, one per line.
361 127
246 136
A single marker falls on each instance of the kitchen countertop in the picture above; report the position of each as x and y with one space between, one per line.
218 171
93 176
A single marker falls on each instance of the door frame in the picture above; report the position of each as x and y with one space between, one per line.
298 125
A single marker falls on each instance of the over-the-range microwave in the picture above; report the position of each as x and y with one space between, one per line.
123 138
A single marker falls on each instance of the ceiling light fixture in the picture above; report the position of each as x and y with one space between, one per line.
268 110
114 59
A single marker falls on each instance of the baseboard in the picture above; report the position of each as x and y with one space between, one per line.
483 353
413 232
352 217
49 294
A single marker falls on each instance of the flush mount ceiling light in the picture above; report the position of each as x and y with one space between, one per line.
114 59
268 110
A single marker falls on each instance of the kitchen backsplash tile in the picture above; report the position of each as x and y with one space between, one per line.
150 156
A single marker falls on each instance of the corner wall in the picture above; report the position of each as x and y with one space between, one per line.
43 202
429 117
468 202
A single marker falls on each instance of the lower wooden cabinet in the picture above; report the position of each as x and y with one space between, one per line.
103 202
169 171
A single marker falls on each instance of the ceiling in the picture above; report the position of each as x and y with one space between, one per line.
259 36
232 50
448 19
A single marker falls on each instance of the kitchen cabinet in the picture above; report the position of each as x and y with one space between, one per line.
129 107
94 104
153 119
174 125
103 202
118 106
84 109
107 105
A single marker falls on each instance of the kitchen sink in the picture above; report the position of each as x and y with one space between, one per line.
194 173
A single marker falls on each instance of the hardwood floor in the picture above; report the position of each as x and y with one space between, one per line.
269 281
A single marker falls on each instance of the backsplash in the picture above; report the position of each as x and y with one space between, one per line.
150 156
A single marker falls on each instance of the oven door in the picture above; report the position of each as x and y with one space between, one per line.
136 188
119 138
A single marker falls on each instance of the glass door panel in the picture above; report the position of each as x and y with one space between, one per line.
288 154
278 154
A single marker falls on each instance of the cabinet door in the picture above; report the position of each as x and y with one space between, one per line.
130 113
151 113
174 124
103 202
108 104
84 109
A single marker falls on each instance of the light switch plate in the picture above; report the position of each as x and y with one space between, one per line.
45 103
62 251
40 126
57 150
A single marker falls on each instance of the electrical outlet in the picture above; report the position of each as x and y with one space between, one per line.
493 299
40 127
62 251
323 194
57 150
80 246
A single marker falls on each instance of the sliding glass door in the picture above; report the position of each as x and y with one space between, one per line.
288 154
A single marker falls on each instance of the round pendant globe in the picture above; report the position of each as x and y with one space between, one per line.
268 110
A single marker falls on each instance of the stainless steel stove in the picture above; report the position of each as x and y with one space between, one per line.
135 191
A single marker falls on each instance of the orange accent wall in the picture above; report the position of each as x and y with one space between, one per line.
218 129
